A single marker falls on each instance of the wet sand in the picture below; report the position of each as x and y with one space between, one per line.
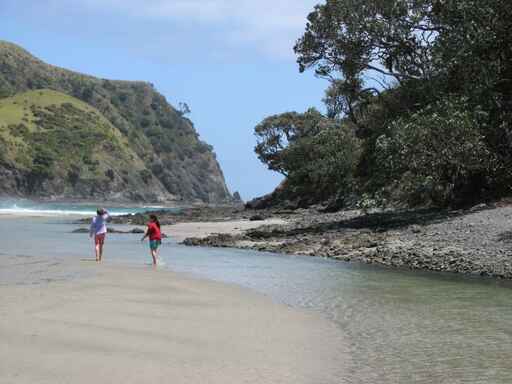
181 231
136 325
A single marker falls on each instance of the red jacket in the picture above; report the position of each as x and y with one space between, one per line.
154 232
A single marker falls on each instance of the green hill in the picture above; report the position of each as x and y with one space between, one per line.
96 125
60 146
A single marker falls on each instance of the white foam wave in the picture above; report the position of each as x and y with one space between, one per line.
21 211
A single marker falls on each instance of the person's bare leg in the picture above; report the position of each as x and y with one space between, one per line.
97 249
153 255
101 251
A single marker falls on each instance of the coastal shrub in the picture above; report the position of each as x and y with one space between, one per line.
436 156
145 122
145 175
74 174
42 166
87 93
114 100
3 150
322 167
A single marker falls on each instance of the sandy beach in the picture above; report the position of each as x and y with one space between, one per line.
181 231
137 325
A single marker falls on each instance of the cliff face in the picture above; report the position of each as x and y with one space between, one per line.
161 155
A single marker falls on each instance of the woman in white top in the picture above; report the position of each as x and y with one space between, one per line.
99 230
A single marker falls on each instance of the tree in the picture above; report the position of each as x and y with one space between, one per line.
365 46
183 109
275 133
425 86
437 155
351 42
321 167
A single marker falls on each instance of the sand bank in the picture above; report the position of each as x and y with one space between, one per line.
181 231
135 325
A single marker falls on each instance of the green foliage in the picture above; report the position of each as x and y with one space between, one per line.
322 166
183 109
437 155
318 155
3 150
438 47
42 166
203 147
146 175
426 86
349 41
275 133
63 141
145 122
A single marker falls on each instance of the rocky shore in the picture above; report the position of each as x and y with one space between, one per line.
194 215
477 241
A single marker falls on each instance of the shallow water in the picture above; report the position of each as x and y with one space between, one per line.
403 327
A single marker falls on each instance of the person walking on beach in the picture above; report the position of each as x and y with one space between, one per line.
98 229
155 237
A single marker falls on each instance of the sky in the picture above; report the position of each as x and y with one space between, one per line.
231 61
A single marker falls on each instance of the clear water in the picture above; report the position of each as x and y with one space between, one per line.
403 327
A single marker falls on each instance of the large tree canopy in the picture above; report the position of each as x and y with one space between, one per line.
276 133
393 38
426 86
366 46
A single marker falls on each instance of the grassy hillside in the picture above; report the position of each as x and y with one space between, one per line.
165 141
60 145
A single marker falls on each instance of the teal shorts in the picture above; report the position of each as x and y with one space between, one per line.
154 244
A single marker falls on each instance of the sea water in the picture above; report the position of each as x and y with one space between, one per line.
402 327
57 208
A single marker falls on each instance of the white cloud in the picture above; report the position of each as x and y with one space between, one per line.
271 26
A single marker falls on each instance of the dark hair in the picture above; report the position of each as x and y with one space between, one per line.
99 211
154 219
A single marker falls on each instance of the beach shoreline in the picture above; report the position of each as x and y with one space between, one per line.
475 242
132 325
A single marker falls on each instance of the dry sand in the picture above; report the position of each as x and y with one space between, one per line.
135 325
181 231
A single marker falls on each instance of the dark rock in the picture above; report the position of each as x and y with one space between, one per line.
81 230
478 207
237 197
415 229
256 218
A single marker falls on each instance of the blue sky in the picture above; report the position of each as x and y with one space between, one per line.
231 61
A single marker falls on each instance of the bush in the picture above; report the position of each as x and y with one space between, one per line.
145 175
435 156
322 167
145 122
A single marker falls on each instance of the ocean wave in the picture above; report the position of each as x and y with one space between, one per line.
16 210
30 208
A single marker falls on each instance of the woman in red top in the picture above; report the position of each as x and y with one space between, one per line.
155 237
